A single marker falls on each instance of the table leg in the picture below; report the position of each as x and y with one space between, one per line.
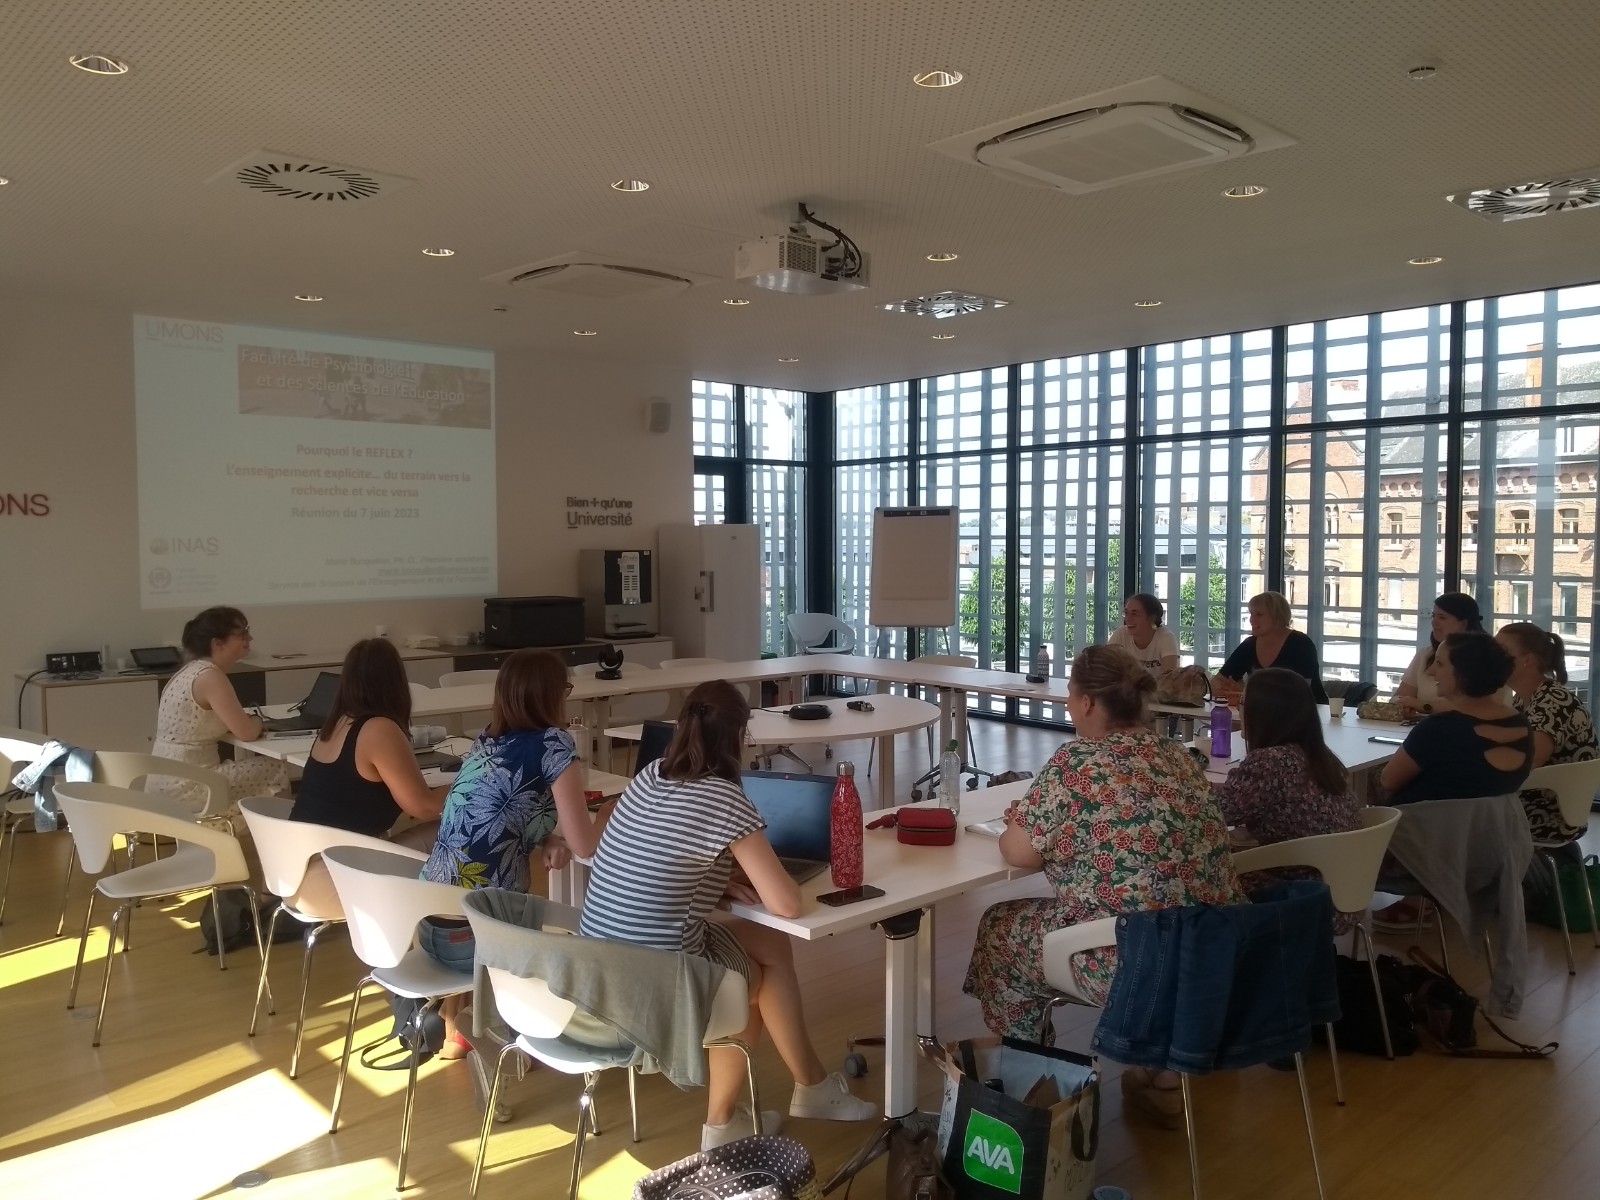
886 793
947 719
900 1014
599 722
925 1014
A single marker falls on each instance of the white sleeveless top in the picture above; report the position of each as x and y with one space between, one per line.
184 730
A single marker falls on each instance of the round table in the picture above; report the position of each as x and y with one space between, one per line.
891 715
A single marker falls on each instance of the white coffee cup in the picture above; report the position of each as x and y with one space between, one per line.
1336 706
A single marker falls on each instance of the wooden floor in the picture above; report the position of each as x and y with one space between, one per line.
178 1101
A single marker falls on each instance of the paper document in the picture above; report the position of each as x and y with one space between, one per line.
992 828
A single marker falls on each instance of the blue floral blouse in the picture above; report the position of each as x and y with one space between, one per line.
499 809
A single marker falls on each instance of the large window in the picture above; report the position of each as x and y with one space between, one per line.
871 432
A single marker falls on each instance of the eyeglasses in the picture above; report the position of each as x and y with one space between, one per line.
244 633
569 689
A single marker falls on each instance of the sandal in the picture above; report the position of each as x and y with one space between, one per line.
1162 1105
455 1047
1403 916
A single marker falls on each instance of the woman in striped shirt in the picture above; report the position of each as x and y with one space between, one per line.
667 859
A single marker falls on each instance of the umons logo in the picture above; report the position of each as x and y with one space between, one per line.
160 579
159 545
164 329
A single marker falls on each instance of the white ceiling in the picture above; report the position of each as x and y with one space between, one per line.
513 118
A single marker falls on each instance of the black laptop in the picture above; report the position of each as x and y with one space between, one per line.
311 712
157 660
798 813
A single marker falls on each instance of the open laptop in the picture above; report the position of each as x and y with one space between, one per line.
311 712
654 738
798 813
157 660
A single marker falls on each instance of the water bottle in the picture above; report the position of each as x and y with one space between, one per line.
1041 665
1221 731
845 852
579 734
950 778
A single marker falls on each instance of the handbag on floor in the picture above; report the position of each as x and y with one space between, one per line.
1447 1012
1572 878
912 1172
1358 1027
753 1168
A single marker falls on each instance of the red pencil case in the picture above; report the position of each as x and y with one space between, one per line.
925 826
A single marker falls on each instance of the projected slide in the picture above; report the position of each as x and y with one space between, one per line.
282 467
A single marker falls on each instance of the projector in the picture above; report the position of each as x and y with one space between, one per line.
797 265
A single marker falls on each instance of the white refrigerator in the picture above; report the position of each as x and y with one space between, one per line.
710 598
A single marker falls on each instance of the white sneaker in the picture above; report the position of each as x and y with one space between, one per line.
830 1100
712 1136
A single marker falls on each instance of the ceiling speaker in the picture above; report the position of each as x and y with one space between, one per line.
659 415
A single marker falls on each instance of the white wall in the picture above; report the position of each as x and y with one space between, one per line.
70 579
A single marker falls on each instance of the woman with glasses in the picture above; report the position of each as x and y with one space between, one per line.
519 791
199 708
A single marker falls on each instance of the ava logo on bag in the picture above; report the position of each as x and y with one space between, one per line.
993 1154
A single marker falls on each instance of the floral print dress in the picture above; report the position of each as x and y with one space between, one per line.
1556 711
1124 823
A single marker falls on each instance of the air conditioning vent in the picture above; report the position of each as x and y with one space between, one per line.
599 281
298 177
1535 198
1148 129
946 304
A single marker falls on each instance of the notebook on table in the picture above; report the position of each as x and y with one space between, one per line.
312 711
798 813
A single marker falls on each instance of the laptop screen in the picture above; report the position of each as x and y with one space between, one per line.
797 810
323 693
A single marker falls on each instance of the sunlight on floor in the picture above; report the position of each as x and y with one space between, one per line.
189 1152
27 963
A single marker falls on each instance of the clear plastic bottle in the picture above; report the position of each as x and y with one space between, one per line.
950 778
580 738
1221 731
846 833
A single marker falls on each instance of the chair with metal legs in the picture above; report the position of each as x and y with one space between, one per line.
383 902
18 747
1574 785
562 1035
205 859
1156 994
288 850
1349 864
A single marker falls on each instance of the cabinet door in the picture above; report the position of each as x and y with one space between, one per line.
104 716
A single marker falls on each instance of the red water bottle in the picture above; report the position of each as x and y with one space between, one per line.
845 846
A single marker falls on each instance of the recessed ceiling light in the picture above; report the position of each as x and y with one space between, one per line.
737 303
4 181
308 297
1244 191
943 256
1424 260
1420 73
788 360
630 185
586 333
943 337
937 79
1147 304
437 251
99 64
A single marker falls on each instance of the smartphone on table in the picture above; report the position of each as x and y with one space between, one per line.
850 896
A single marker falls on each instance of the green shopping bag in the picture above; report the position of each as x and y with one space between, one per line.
1572 878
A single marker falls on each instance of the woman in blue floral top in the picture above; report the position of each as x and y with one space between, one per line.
519 789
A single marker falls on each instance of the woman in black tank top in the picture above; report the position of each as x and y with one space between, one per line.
371 714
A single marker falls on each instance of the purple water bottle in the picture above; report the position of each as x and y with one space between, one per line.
1221 731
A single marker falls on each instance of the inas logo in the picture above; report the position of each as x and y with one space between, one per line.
164 329
993 1154
159 545
185 545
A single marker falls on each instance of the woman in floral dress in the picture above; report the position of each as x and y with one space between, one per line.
1121 820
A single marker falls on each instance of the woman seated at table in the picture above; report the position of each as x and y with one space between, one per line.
683 840
1120 820
1289 784
1453 612
199 708
1143 635
520 790
362 773
1479 746
1272 643
1562 729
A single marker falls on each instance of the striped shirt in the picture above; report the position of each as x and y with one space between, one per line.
663 860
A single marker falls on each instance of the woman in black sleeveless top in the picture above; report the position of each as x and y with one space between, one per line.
362 773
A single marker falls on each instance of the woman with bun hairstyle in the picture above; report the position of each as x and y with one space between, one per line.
199 708
1453 612
1121 820
1562 729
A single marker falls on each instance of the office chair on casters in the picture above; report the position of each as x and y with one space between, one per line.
928 782
810 633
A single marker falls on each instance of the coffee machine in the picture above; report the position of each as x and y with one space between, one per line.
618 588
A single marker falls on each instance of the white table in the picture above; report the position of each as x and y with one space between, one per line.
913 879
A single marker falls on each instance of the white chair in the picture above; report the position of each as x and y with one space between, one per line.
462 678
383 901
287 848
205 859
1349 864
565 1038
18 747
811 632
419 691
130 769
1575 785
